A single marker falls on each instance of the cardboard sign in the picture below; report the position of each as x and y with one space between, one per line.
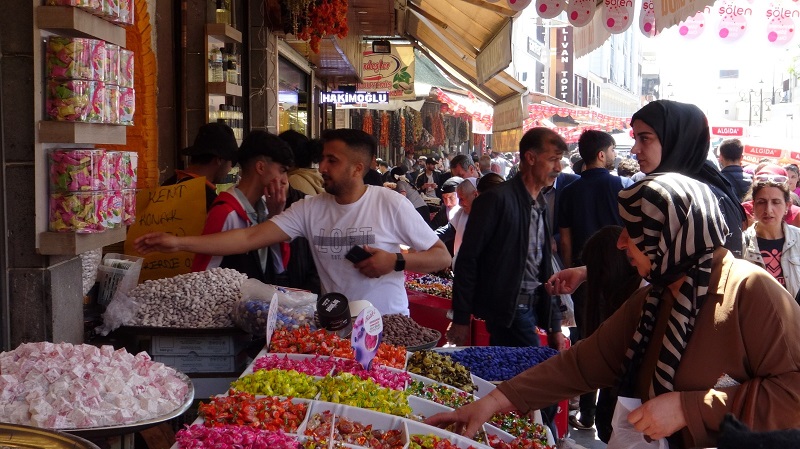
367 335
178 209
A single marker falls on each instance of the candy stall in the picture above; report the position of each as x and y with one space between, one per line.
315 389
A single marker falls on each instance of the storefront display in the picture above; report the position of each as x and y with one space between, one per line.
293 97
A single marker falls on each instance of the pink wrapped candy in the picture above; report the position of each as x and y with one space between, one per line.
111 111
68 100
130 169
98 59
93 6
125 12
74 170
69 58
81 212
115 165
112 64
110 9
114 209
97 102
125 68
128 207
233 437
127 105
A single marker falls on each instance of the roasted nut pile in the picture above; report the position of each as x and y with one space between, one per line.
193 300
401 330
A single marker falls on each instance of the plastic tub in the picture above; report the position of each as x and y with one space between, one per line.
78 169
81 212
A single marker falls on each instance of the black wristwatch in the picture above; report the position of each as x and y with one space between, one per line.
400 265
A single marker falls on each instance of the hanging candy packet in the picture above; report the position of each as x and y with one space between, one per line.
97 101
128 207
125 68
127 105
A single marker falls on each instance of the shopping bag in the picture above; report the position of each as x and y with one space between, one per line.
625 436
565 303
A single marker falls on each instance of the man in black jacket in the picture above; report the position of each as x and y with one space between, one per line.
506 254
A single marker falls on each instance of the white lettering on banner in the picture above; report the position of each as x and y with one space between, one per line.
727 131
762 151
564 65
353 97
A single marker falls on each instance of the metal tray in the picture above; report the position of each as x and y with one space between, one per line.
19 436
123 429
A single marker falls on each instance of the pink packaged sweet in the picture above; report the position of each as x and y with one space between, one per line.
128 207
115 169
81 212
113 210
97 102
78 169
68 100
98 49
125 68
127 105
110 9
112 64
125 12
129 169
111 112
69 58
93 6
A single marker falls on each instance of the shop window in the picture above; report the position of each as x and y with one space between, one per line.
293 98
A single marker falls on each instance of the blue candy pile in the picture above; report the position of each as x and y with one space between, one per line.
497 363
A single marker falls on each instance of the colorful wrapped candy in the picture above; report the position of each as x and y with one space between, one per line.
128 206
127 105
110 9
113 210
93 6
69 58
111 111
115 164
76 170
130 170
68 100
125 12
98 59
81 212
112 64
125 68
97 102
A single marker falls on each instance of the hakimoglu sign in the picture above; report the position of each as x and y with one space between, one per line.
338 97
389 72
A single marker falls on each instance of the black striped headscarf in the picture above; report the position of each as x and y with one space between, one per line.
676 222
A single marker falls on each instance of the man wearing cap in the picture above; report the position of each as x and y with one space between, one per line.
429 181
347 214
264 159
467 191
211 156
449 204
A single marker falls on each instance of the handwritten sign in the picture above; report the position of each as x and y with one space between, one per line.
178 209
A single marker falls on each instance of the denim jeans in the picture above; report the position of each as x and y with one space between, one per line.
521 333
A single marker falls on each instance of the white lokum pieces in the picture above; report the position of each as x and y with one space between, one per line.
65 386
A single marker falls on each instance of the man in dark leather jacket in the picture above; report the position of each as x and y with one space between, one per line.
500 268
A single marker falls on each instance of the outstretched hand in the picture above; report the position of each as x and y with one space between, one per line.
467 420
565 281
156 242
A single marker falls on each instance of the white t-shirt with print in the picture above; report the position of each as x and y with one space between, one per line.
381 218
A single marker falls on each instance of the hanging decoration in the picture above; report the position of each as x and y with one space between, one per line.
518 5
693 26
580 12
647 19
367 124
549 9
313 20
618 15
384 135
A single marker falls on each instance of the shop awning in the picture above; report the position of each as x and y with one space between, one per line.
455 31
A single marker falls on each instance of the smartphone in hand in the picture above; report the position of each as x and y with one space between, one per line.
357 254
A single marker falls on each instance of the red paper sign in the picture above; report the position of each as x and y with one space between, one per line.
727 131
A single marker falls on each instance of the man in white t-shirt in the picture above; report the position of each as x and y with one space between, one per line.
349 213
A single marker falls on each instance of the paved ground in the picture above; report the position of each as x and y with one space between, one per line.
585 438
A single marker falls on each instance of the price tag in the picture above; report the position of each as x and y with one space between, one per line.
272 317
367 335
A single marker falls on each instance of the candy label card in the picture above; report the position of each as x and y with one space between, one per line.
367 335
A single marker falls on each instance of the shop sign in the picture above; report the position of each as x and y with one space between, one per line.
339 97
178 209
535 48
495 56
508 114
565 89
729 131
389 72
760 152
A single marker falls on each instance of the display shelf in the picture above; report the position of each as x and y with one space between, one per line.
224 33
81 132
71 243
233 90
71 21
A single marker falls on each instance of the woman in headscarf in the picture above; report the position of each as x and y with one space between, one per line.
693 345
673 137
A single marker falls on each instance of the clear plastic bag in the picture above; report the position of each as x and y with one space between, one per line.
625 436
295 307
566 305
122 309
